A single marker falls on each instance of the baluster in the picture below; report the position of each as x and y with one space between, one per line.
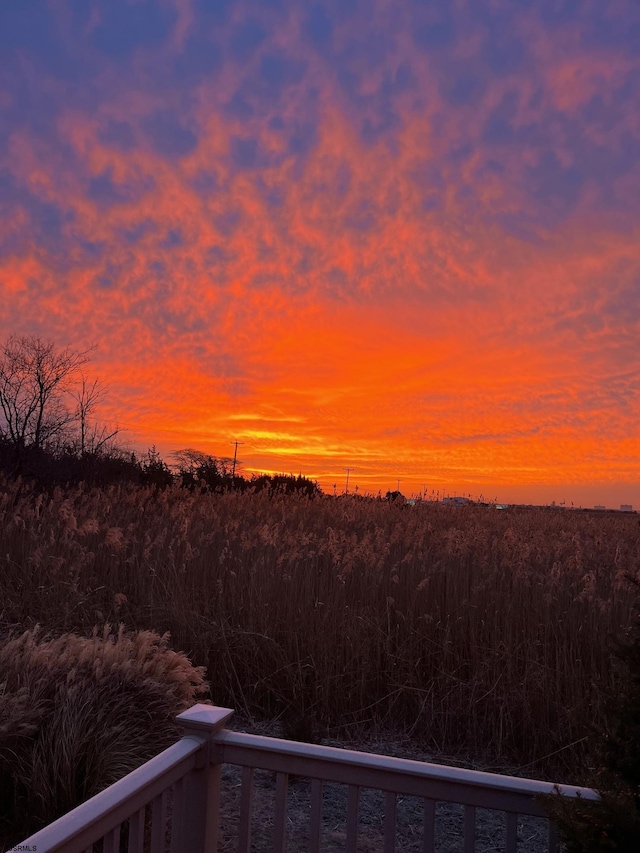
390 809
469 829
280 828
112 840
353 807
177 816
512 832
158 823
316 815
136 831
429 829
246 807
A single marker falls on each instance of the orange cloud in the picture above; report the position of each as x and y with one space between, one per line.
400 260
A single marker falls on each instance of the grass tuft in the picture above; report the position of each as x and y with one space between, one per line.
78 713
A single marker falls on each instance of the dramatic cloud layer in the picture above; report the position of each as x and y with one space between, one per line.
394 235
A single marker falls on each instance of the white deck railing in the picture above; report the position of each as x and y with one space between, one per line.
172 802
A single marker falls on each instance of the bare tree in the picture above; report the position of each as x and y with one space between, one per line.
93 437
34 376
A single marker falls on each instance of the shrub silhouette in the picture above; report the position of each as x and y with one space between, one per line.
77 714
614 823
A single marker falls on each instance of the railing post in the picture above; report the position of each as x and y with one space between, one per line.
201 796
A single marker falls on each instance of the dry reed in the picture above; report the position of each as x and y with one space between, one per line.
473 630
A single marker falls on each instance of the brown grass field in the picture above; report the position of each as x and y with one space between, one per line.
473 631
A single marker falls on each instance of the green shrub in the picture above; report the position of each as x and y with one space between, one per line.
77 714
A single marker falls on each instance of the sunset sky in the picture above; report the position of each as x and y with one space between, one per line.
399 236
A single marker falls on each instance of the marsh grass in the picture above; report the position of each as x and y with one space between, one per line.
78 713
472 630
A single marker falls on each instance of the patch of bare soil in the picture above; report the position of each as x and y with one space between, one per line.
449 829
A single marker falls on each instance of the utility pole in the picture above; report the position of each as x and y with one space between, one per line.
235 456
398 482
346 488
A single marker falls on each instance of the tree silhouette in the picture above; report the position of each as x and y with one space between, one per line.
34 376
197 468
92 437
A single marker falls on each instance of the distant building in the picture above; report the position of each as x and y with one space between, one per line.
599 506
626 508
457 501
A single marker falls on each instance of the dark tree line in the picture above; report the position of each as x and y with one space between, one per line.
49 431
117 465
197 470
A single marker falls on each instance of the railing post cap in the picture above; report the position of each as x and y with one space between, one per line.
204 718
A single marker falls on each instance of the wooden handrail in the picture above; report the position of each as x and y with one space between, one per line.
384 773
193 767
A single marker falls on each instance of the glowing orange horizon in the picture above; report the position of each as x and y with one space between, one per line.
419 262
